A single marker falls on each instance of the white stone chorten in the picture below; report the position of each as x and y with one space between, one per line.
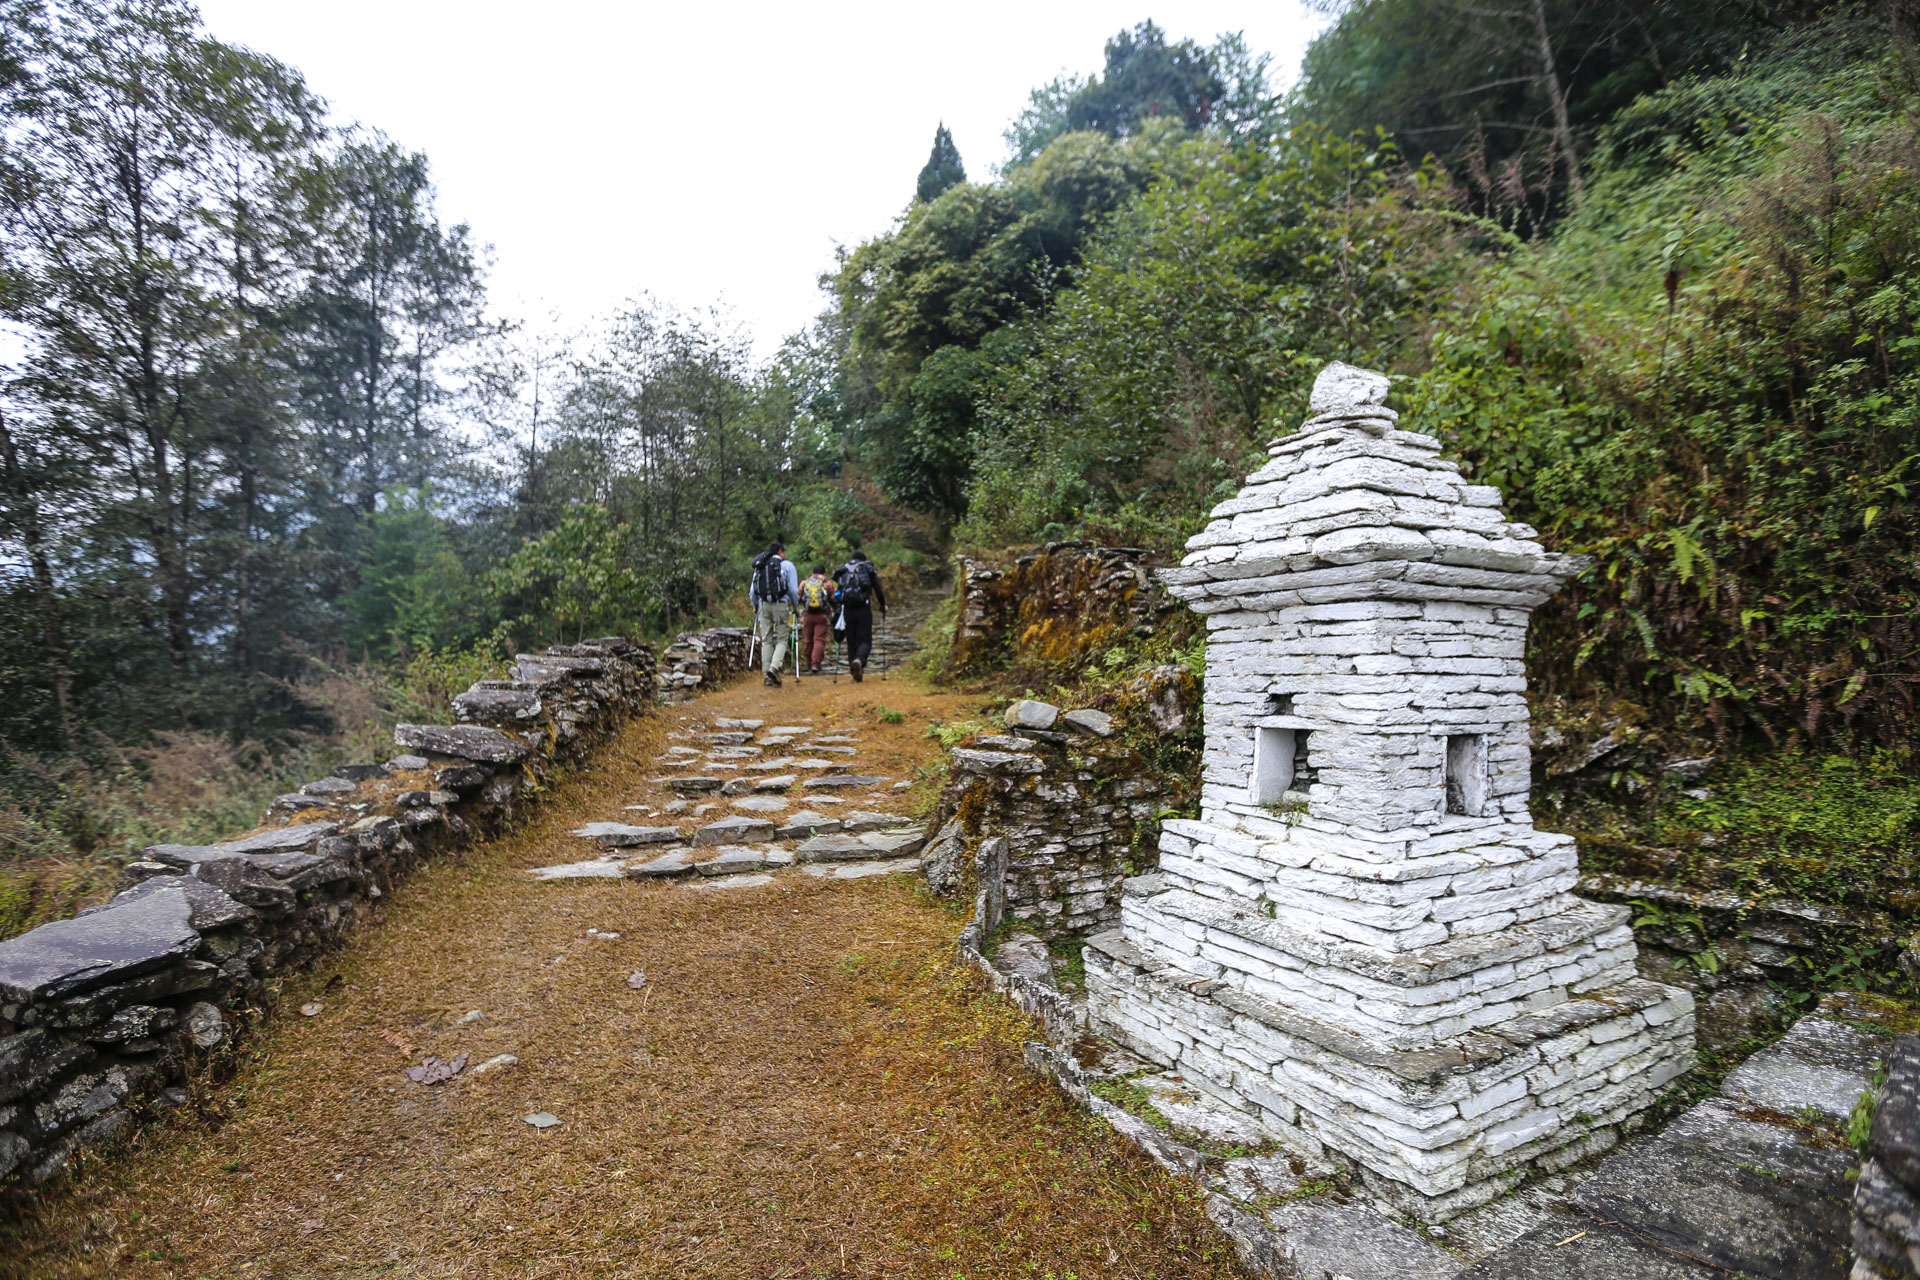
1363 943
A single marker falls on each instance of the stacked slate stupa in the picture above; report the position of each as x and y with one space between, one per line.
1363 943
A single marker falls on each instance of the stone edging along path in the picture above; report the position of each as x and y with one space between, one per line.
105 1015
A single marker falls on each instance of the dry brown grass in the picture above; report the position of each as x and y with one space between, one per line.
806 1086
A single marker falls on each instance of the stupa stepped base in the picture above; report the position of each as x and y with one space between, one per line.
1400 1000
1441 1128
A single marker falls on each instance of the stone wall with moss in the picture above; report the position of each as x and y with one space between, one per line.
1077 798
1057 606
107 1016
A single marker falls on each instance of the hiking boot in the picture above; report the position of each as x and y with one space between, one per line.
856 666
774 679
767 681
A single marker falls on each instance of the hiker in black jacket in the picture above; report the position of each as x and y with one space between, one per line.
859 592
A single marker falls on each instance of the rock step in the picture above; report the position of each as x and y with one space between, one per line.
843 782
1757 1182
619 835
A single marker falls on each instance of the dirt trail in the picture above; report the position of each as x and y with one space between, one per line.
803 1086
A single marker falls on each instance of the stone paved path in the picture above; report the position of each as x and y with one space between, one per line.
763 1065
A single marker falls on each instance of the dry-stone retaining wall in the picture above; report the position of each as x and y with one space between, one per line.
1075 807
1057 604
103 1016
699 660
1886 1200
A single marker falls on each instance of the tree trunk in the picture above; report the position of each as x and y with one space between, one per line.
52 636
1557 99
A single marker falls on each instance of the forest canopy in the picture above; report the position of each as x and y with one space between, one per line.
1651 267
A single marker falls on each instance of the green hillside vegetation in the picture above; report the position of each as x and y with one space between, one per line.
275 475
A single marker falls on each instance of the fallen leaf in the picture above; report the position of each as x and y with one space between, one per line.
637 979
434 1071
311 1009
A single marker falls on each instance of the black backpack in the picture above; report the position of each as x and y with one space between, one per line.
768 582
856 582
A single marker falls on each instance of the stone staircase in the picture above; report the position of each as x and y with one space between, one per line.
748 800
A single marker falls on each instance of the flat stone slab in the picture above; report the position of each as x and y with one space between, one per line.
296 839
1820 1063
792 730
592 869
463 741
694 786
620 835
127 936
1087 720
1025 956
1581 1249
735 829
831 765
734 753
1269 1177
894 842
834 847
841 847
771 766
208 906
861 870
1029 714
760 804
665 867
751 881
1178 1100
843 782
1739 1192
1356 1242
821 749
780 782
723 723
868 820
973 760
733 860
730 738
842 739
806 823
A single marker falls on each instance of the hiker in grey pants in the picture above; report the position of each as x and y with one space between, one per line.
774 593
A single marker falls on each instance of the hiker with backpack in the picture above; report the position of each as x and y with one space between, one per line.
774 593
859 592
817 596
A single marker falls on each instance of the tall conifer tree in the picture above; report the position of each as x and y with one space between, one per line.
943 168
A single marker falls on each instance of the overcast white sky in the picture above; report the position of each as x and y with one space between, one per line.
700 152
